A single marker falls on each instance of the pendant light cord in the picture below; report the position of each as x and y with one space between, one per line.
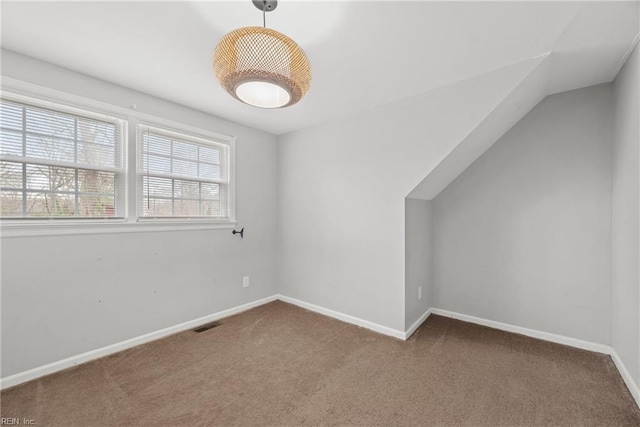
264 13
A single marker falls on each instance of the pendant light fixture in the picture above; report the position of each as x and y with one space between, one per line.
260 66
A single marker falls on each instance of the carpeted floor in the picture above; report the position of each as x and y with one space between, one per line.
282 365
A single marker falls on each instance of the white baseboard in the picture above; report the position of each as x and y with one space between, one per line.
417 324
626 376
546 336
50 368
345 317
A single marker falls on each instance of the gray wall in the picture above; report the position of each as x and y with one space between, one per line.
65 295
342 188
418 272
523 236
625 323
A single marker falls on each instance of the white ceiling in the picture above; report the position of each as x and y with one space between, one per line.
363 54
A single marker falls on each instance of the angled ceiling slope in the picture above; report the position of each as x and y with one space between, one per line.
588 52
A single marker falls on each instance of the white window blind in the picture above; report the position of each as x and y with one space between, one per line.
181 175
60 162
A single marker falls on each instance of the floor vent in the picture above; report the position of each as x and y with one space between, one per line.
207 326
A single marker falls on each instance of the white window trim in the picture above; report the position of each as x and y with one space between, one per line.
131 223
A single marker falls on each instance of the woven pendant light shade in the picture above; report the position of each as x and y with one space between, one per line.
262 67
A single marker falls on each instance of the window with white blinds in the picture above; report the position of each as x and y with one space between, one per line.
181 175
60 162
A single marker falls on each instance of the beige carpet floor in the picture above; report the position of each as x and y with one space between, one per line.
282 365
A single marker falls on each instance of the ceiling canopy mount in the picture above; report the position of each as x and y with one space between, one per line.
265 5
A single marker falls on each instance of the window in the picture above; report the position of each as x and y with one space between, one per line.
60 163
181 175
80 162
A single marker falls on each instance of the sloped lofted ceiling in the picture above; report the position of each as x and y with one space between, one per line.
364 54
587 52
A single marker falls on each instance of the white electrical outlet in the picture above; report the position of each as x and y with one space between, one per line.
245 281
419 292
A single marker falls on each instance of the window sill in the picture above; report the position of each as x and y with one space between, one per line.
50 228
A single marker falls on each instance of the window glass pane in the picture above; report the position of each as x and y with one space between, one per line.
157 187
96 154
11 116
186 208
96 206
186 189
43 147
157 207
185 150
209 171
155 144
210 191
53 136
49 123
155 164
96 132
185 168
209 155
11 204
11 174
90 181
210 208
11 142
51 178
50 205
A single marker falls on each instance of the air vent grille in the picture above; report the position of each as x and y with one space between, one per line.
207 326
